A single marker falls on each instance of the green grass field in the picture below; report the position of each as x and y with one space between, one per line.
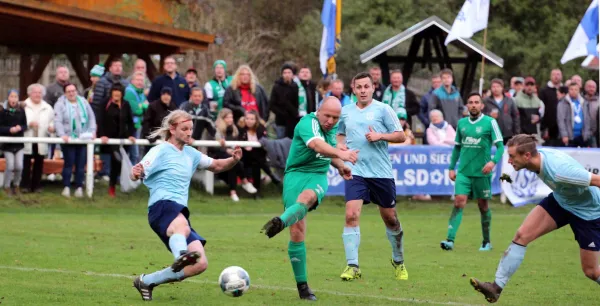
83 252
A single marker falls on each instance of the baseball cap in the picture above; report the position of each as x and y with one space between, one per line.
519 80
529 80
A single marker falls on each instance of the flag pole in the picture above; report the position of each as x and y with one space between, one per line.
482 62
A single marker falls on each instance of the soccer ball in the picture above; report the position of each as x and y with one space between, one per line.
234 281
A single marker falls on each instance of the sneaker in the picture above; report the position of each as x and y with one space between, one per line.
79 192
235 198
400 271
186 259
447 245
273 227
111 191
486 246
51 177
351 273
305 293
142 288
491 291
66 192
106 178
249 188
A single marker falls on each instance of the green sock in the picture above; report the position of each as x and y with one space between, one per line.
297 253
486 222
294 214
454 223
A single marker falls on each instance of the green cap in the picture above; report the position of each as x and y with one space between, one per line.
220 62
97 70
402 114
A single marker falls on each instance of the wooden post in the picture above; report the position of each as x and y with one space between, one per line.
39 67
384 64
24 74
413 50
82 73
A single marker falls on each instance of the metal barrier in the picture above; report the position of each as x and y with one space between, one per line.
89 177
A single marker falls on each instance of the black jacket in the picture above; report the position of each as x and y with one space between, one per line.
154 116
549 121
178 85
117 122
508 117
256 155
9 119
312 96
200 117
284 102
412 105
233 100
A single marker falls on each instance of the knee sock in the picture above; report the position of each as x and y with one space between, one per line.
177 243
454 223
163 276
351 238
396 239
486 222
510 262
297 253
294 214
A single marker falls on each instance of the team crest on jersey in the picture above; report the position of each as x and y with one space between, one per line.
478 130
370 116
463 130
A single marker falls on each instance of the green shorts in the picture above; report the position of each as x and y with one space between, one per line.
475 187
294 183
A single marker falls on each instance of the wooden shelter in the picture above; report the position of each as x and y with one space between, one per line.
83 30
429 35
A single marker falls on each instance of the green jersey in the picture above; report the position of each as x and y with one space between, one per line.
303 159
476 139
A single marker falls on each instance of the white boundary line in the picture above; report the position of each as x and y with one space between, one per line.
202 281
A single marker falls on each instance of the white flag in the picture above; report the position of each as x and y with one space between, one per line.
472 18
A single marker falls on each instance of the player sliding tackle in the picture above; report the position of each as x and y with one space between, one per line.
575 200
475 136
305 181
167 170
368 126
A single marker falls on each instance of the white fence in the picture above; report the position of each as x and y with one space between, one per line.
89 177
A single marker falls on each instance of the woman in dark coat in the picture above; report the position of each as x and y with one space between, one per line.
117 122
13 123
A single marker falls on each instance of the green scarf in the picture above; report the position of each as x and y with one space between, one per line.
218 89
301 98
72 112
395 99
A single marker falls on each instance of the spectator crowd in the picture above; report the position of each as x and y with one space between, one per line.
237 107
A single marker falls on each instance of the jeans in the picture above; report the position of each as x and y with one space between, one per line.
134 151
105 158
280 131
74 155
14 163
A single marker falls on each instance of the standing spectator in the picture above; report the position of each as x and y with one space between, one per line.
516 85
548 96
399 97
312 95
577 80
134 94
117 123
74 119
252 128
95 75
245 94
191 77
215 88
436 82
179 87
226 130
101 97
40 123
447 99
379 88
336 89
410 137
55 90
323 88
439 132
574 119
591 97
140 66
503 109
200 111
528 105
13 123
157 111
285 101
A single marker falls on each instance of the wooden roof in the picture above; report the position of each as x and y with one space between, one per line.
40 27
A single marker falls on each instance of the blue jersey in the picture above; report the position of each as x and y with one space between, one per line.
168 172
570 183
373 158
